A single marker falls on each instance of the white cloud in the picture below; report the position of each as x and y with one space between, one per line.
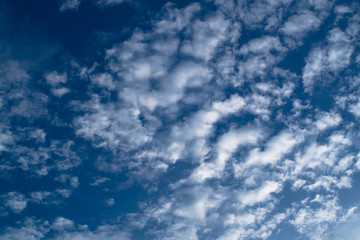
104 3
59 92
255 14
39 135
226 146
344 164
57 80
206 36
229 106
110 202
65 178
340 51
315 222
61 224
65 193
342 9
332 58
321 156
138 70
15 201
301 23
6 138
54 78
108 126
202 201
69 5
242 220
355 109
103 80
39 197
47 198
327 120
74 182
262 45
64 156
17 94
313 67
37 229
186 75
31 230
200 126
275 149
36 160
267 229
102 232
329 183
187 88
255 66
178 231
176 19
99 181
348 229
252 223
259 195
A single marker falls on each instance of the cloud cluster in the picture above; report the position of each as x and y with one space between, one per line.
202 113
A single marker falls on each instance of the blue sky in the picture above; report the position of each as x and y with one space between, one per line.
214 119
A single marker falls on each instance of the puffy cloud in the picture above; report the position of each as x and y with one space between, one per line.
15 201
313 67
200 202
65 193
6 138
355 109
39 197
328 120
226 146
200 126
57 80
54 78
206 36
59 92
301 23
61 224
332 58
314 222
103 80
110 202
259 56
256 13
276 148
262 45
261 194
17 96
31 229
108 126
321 156
64 178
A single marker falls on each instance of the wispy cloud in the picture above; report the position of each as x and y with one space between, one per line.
69 5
